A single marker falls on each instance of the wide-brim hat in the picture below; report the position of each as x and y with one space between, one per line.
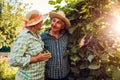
34 17
60 15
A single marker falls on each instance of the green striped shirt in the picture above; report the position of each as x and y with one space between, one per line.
24 47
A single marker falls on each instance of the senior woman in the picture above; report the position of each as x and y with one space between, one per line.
26 53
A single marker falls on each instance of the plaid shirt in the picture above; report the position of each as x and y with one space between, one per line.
57 67
24 47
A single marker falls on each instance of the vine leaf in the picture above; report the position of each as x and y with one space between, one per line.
90 58
94 66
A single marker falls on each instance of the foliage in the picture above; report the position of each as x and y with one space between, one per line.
10 21
100 59
6 72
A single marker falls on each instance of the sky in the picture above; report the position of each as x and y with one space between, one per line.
41 5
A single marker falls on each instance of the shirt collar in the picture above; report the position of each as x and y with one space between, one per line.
61 34
28 31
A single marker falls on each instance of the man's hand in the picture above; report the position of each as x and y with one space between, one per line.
85 40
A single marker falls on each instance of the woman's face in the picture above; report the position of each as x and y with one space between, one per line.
57 24
39 25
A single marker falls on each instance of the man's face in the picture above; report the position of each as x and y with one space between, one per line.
57 24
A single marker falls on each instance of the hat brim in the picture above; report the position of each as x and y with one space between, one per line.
55 15
36 22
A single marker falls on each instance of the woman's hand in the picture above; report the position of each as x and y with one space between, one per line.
40 57
43 56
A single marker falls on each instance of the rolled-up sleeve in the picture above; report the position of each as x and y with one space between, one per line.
17 56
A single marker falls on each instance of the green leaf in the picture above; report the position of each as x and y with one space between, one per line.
104 57
52 2
83 66
68 1
81 54
116 73
94 66
72 29
118 53
74 49
58 1
90 58
75 58
47 22
57 7
75 70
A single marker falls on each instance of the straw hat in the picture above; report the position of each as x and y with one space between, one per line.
60 15
34 17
